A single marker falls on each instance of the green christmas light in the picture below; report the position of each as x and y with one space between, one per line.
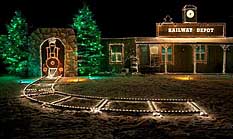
15 53
88 38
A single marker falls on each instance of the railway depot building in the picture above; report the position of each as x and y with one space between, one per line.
187 47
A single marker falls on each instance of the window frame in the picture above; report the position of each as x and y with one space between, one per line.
116 53
199 53
154 55
163 54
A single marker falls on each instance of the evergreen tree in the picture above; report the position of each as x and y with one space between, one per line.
15 52
88 39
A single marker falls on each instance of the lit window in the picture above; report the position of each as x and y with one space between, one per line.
169 54
154 56
116 53
201 54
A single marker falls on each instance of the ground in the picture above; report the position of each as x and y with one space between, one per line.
20 118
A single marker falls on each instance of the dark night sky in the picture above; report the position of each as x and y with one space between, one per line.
115 18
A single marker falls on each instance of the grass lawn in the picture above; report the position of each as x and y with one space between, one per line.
213 93
128 105
9 87
20 118
165 106
81 102
49 98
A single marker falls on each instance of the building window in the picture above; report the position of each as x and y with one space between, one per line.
201 54
169 54
154 55
116 53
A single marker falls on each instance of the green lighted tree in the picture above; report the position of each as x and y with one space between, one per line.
88 39
15 53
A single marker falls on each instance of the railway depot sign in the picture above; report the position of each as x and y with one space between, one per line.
191 30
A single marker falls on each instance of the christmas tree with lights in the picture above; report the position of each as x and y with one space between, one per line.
15 53
88 39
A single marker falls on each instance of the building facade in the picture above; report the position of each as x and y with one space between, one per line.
187 47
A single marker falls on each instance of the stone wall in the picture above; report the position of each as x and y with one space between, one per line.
67 36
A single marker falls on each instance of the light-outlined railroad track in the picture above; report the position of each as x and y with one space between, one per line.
42 91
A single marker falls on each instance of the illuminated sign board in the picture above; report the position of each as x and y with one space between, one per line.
180 30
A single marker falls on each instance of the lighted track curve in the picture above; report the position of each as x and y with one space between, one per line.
44 86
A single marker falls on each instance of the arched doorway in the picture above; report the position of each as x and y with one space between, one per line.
52 52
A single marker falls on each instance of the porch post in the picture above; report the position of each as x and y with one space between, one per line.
165 60
137 53
224 47
194 59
